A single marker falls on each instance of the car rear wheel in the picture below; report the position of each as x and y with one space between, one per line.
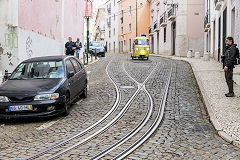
103 55
67 105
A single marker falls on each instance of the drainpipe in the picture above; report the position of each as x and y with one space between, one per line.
136 18
62 26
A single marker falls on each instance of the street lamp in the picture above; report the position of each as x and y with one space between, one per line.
87 16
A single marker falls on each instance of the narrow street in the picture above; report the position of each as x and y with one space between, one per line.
125 102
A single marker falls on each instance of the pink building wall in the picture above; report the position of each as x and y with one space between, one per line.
195 18
44 17
74 19
41 16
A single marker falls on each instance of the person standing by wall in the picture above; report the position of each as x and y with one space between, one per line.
228 64
70 47
78 47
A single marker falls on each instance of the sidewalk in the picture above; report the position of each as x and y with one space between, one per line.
224 112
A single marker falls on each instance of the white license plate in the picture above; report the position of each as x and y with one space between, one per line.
20 108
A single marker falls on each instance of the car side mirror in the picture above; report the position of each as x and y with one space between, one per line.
6 76
70 74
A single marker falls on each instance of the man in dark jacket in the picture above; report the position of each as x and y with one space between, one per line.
228 64
70 47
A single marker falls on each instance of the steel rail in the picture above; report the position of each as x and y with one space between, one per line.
154 126
133 132
119 116
90 128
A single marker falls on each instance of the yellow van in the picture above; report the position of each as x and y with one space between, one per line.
140 48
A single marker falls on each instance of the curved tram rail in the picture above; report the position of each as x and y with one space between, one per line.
116 105
146 135
84 132
119 116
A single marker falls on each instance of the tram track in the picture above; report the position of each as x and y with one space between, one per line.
119 116
117 102
84 132
137 129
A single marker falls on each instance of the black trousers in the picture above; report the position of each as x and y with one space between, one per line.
229 79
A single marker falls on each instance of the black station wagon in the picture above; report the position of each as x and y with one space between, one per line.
43 86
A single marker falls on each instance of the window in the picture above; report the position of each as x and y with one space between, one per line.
130 27
165 34
130 45
39 70
114 2
124 42
130 9
114 17
70 67
109 34
114 31
76 65
141 42
122 29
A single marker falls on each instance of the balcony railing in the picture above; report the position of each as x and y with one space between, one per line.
155 25
163 21
172 12
206 21
109 24
150 30
109 10
121 20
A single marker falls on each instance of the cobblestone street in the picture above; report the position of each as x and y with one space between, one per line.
128 93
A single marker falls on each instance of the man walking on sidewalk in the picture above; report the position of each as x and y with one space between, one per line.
70 47
228 64
79 46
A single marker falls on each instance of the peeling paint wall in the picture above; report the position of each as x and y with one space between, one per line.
8 47
34 28
35 45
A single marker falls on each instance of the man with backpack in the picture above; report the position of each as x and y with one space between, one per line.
70 47
229 60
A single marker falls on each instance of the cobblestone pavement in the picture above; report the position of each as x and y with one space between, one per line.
185 132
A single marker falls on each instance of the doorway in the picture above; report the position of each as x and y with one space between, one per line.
224 29
157 42
219 38
173 38
152 44
114 47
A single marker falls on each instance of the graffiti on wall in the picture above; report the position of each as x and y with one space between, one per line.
29 46
8 54
11 40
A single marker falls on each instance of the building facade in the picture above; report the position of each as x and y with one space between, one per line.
221 20
99 33
111 25
26 32
131 24
176 26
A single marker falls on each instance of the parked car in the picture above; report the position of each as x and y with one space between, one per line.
42 87
97 47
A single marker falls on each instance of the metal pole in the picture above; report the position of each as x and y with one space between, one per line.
136 18
87 37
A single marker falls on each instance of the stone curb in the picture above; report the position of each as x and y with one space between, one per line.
213 119
90 63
